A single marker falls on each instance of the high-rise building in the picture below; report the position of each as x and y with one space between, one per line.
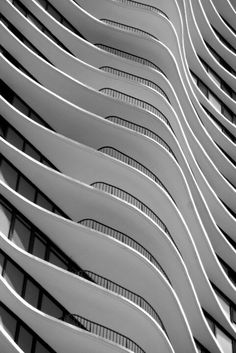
117 176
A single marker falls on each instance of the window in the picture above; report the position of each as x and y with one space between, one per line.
7 322
14 277
215 102
20 105
32 152
21 333
8 174
227 113
50 308
68 25
33 20
39 247
43 3
35 117
54 13
14 138
5 219
26 189
43 202
224 341
31 293
225 305
25 340
21 234
55 259
40 348
214 77
2 258
203 88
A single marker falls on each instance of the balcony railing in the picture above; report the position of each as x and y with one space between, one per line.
134 101
139 79
141 130
113 152
100 227
129 56
103 331
143 6
116 288
128 28
127 197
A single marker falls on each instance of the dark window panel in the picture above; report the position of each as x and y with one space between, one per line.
26 189
8 174
39 247
21 234
14 277
8 322
14 138
31 293
25 340
5 220
50 308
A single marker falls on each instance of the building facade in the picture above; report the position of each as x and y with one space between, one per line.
117 176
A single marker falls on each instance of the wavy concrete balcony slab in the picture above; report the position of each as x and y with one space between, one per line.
197 152
113 105
91 301
201 46
169 9
212 13
184 250
87 52
93 77
57 55
210 36
69 337
72 86
227 9
105 252
30 132
197 67
215 131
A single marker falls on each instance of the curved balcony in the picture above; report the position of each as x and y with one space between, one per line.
223 40
136 78
61 259
125 27
142 6
116 288
134 101
100 227
103 331
123 195
132 57
11 267
113 152
141 130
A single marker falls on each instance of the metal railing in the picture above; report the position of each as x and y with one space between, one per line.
134 101
136 78
100 227
125 196
116 288
129 56
128 28
143 6
103 331
141 130
113 152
